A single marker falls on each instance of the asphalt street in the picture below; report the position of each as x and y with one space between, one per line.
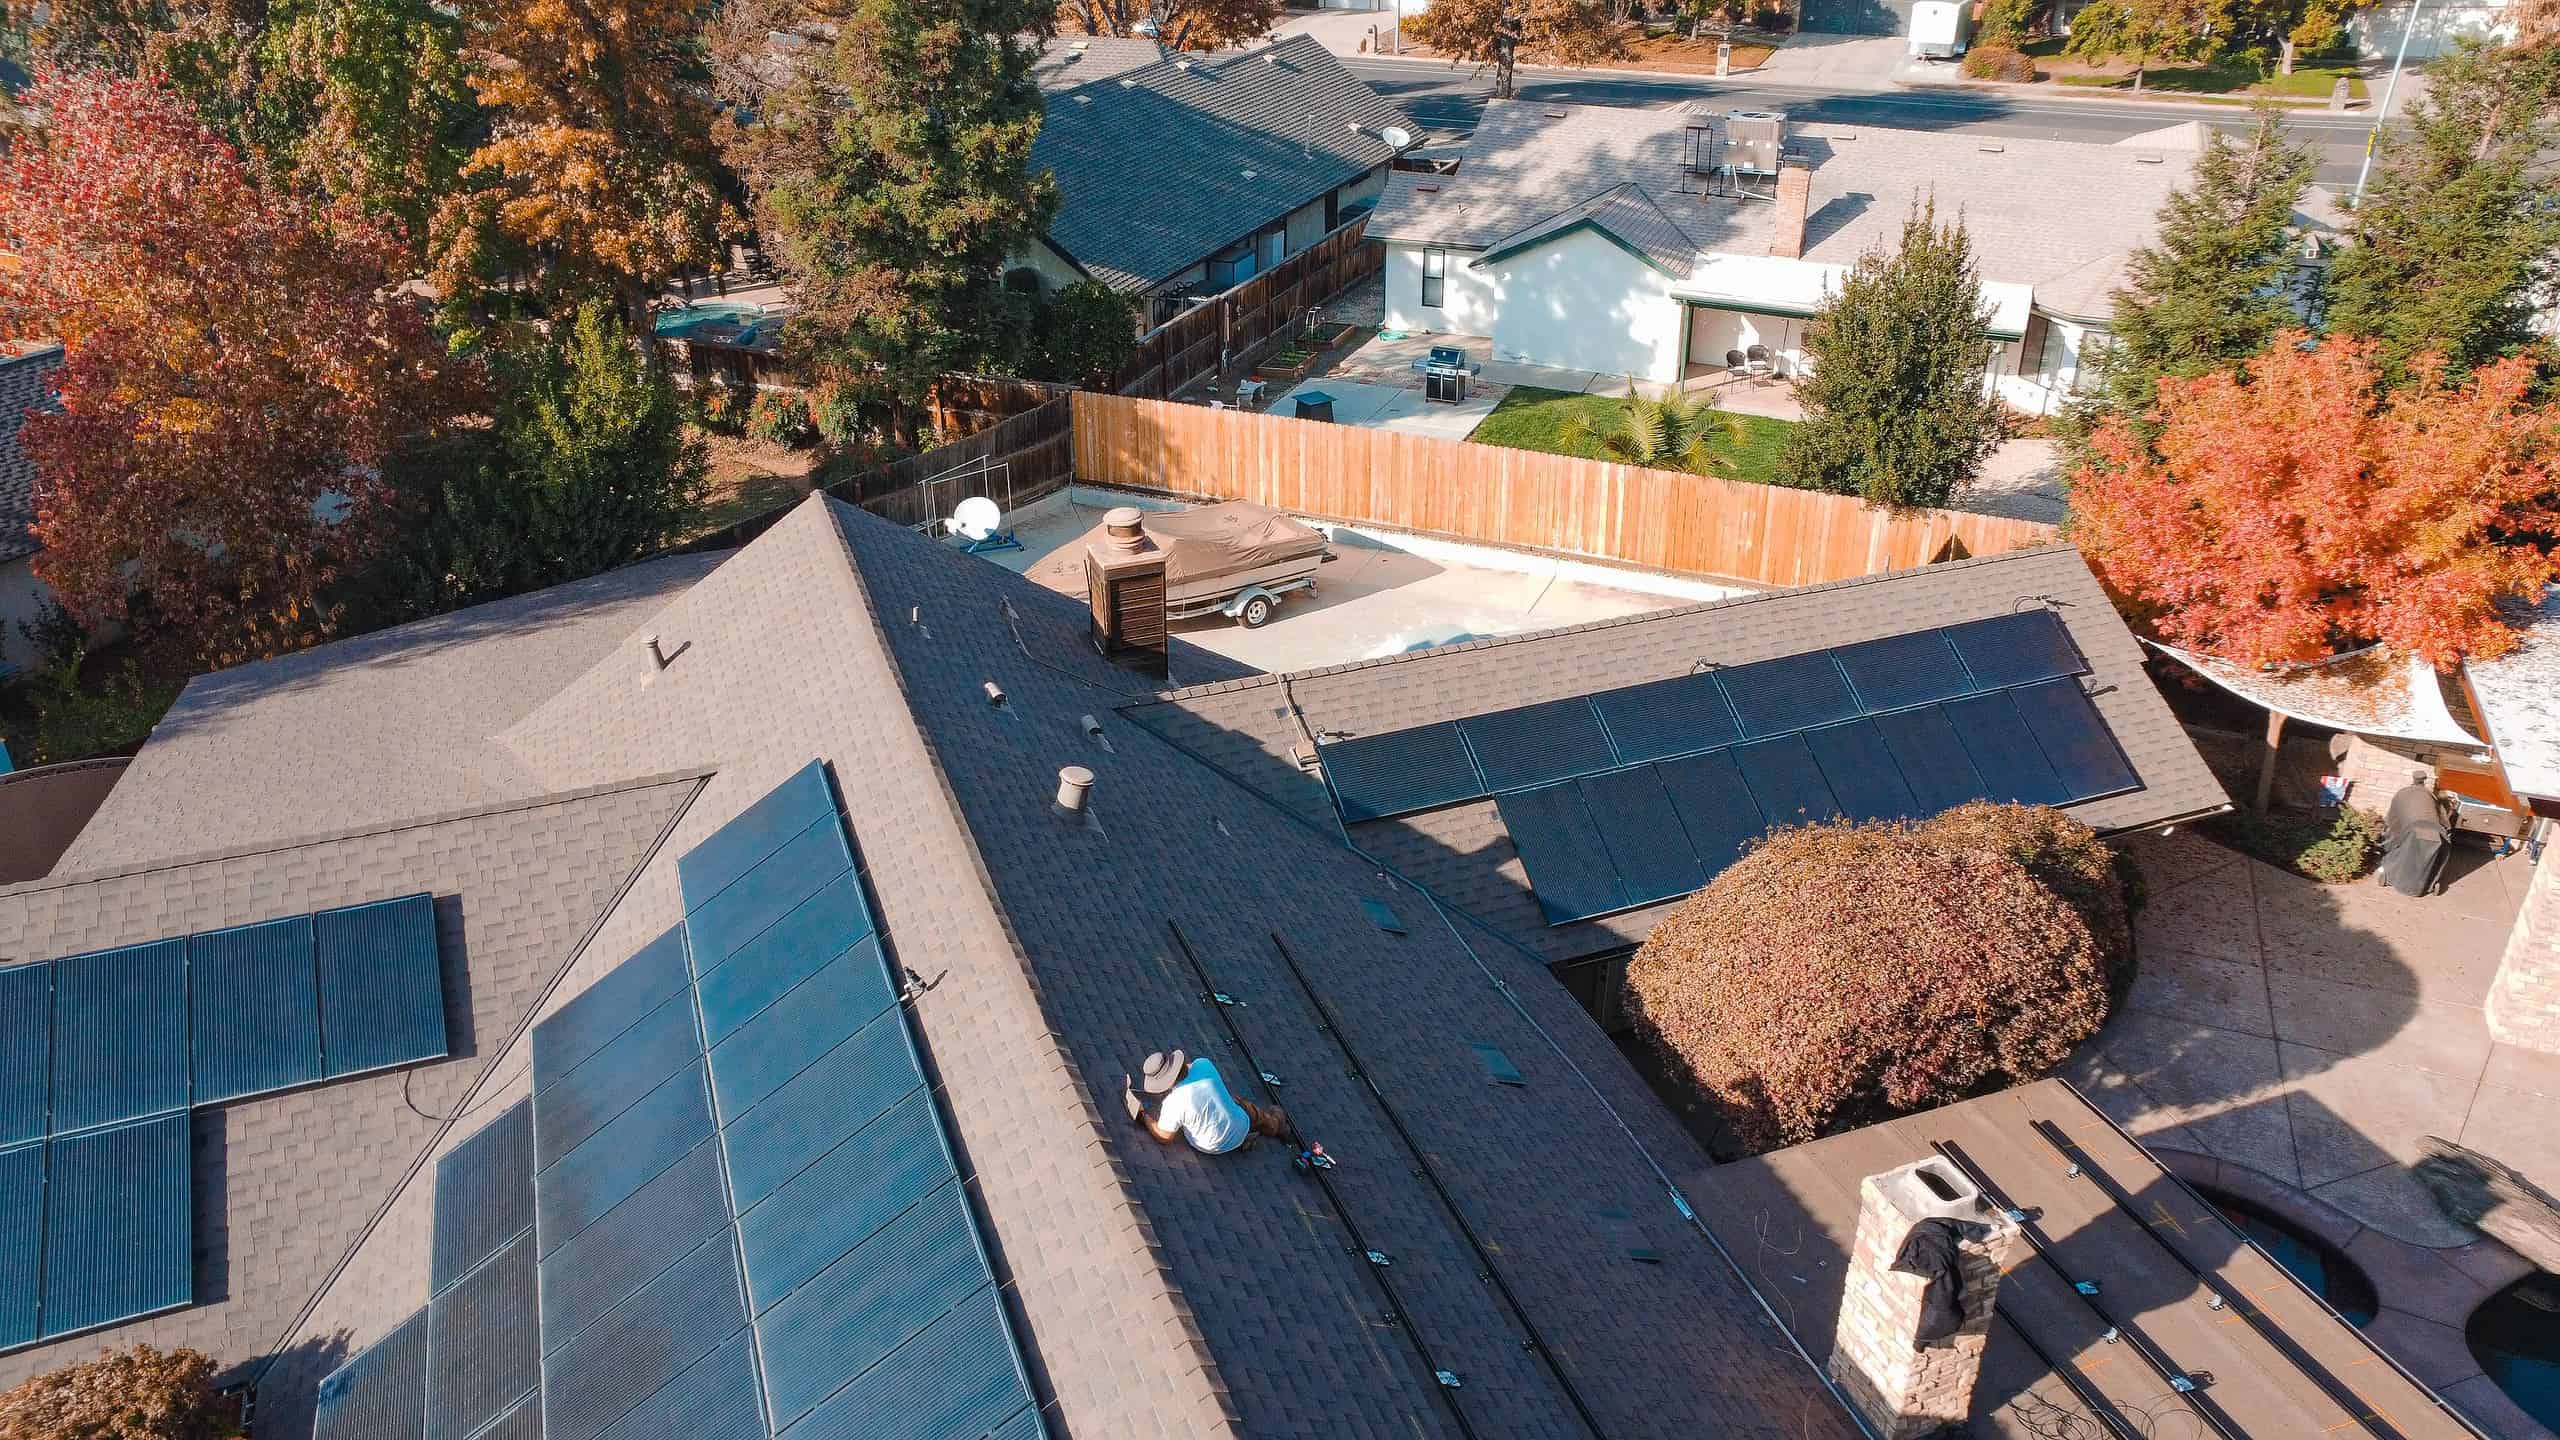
1445 98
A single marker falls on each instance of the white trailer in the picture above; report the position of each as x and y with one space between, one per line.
1941 29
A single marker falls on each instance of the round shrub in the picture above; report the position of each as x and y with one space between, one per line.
1999 62
720 407
778 417
134 1394
2067 857
1840 973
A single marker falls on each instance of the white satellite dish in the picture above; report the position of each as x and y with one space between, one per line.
977 518
1397 136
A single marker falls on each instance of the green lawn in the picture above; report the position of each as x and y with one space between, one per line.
1533 419
2312 79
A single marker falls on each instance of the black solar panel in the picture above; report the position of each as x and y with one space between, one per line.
522 1422
117 1014
1934 765
851 991
26 1050
610 1006
753 833
773 889
1716 808
632 1244
839 1201
1642 834
1785 780
856 1312
1792 692
2076 741
716 1398
381 985
827 924
631 1149
1667 717
21 1243
484 1352
1901 670
583 1101
118 1224
621 1360
1400 772
1538 743
2016 648
1560 847
255 1008
381 1394
958 1376
844 1090
484 1195
1863 776
2004 751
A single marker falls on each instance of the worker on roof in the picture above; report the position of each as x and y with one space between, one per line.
1191 1102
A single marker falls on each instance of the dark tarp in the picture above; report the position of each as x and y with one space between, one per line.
2413 841
1929 1252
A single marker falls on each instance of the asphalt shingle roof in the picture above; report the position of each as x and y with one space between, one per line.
1161 164
22 389
1627 214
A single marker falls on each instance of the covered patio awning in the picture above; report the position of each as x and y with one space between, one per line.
1798 289
2519 698
2364 692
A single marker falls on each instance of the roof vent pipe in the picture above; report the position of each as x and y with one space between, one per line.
995 694
1125 527
1075 786
658 653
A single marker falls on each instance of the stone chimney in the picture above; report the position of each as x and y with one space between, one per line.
1795 194
1907 1387
1124 580
2524 1001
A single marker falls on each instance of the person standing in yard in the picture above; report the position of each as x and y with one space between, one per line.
1191 1102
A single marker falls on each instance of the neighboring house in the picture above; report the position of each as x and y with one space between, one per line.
1652 242
22 596
1181 175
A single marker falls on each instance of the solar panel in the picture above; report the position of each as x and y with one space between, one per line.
610 1006
859 1310
1642 833
1786 782
255 1007
382 1393
844 1090
1934 765
118 1225
1560 847
1023 1426
2004 751
850 992
484 1195
484 1352
381 985
1861 771
959 1376
1538 743
1715 808
772 890
753 833
1771 697
21 1243
2017 648
583 1101
523 1421
1901 670
1400 772
2076 741
838 1202
116 1018
826 925
635 1241
1667 717
624 1358
716 1398
628 1152
26 1050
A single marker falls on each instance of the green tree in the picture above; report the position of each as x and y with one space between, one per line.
891 183
1896 409
2452 247
2215 284
2147 32
369 100
1671 433
1081 335
588 466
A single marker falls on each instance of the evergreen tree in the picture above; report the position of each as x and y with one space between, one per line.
1896 409
2453 243
892 184
2213 287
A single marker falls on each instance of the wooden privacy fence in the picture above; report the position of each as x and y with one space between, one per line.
1236 325
1013 462
1655 518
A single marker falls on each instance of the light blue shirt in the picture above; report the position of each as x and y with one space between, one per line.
1204 1112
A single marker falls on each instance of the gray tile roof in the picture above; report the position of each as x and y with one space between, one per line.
1464 854
1160 165
1625 213
1072 60
2037 210
22 389
285 1185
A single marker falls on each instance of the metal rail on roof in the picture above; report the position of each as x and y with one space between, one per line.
2102 1411
1397 1314
2177 1378
1429 1172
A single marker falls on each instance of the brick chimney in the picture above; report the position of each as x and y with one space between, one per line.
2524 1001
1124 579
1907 1387
1795 194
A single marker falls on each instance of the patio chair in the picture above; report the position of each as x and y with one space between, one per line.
1735 365
1756 359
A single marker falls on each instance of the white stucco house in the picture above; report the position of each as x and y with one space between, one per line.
22 596
1667 243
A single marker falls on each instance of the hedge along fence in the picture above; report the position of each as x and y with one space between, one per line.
1658 519
1236 325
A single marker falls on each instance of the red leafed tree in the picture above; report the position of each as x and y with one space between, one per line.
235 367
2297 506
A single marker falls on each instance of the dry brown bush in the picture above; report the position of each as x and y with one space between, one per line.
2067 856
135 1394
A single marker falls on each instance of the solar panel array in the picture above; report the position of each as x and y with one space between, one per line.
1642 793
730 1208
95 1129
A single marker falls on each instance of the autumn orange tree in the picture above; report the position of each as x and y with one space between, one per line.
134 1394
1182 24
1498 35
2298 505
234 370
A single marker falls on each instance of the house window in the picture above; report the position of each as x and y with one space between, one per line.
1435 274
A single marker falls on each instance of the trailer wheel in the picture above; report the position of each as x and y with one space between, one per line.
1256 612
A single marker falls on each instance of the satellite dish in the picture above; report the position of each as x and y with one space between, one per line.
977 517
1397 136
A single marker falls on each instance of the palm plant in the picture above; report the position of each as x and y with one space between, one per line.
1670 433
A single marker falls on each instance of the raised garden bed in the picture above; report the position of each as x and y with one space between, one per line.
1289 363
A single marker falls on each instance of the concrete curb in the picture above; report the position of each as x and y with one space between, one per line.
2080 96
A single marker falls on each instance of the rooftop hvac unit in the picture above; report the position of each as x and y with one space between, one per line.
1754 139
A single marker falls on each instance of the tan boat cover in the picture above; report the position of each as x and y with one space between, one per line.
1233 537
